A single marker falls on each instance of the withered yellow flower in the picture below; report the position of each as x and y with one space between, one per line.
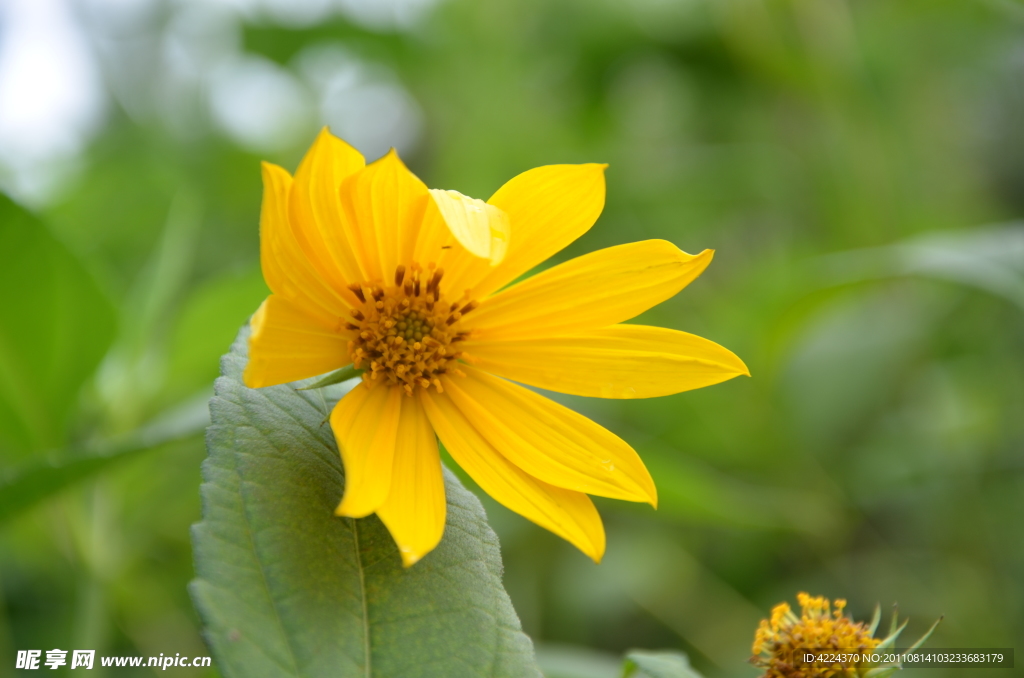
825 643
781 643
369 267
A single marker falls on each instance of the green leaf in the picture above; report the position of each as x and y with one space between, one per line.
23 486
664 664
55 327
285 588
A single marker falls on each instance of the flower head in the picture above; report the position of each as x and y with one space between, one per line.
823 631
780 642
368 267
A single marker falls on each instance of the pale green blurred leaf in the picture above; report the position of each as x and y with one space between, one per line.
285 588
988 258
665 664
26 485
854 355
207 322
55 326
571 661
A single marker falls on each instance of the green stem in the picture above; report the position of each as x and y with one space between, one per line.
336 377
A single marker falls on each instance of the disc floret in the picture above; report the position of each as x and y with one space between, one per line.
407 334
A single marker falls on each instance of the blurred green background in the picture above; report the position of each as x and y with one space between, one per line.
856 165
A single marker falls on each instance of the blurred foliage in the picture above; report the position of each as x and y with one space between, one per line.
53 332
856 165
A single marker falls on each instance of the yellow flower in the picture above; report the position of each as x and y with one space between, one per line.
780 642
369 267
783 645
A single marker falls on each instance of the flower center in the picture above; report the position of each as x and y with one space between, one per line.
407 334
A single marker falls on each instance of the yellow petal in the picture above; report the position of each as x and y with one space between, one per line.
480 228
550 441
327 238
286 344
589 292
365 424
548 208
435 241
622 361
414 511
570 515
289 274
387 203
436 244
